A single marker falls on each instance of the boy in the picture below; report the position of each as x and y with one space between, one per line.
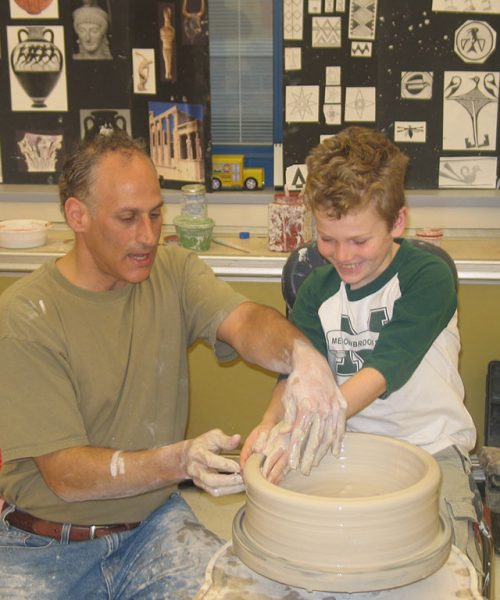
384 314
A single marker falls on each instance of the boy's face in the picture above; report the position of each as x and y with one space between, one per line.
359 245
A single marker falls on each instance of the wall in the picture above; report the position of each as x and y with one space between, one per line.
480 332
233 396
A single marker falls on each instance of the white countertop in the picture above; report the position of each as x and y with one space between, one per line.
477 256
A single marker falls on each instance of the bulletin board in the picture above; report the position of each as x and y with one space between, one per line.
70 69
425 72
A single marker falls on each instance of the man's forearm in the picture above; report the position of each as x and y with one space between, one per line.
262 336
89 473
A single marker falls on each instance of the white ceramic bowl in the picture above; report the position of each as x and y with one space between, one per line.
23 233
366 521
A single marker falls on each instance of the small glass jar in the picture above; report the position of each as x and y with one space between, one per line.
194 202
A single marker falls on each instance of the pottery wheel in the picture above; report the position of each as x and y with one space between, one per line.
303 575
228 578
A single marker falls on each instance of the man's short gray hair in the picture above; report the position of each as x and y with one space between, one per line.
77 177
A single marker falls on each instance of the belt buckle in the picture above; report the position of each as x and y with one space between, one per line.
92 532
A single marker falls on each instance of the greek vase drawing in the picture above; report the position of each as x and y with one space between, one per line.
103 122
37 63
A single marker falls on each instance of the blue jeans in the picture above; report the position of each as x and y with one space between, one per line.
165 558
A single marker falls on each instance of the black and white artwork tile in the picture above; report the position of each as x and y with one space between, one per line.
473 172
475 41
470 110
416 85
410 132
362 19
37 68
143 69
92 28
467 6
95 121
360 104
293 20
314 7
293 59
38 150
326 32
302 103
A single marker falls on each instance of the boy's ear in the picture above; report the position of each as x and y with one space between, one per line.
400 222
76 214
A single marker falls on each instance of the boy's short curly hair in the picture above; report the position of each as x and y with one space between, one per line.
353 169
77 177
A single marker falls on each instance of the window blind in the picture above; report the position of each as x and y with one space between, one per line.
241 71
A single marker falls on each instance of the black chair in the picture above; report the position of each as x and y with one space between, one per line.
306 258
297 267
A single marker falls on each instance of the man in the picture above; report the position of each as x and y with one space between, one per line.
384 315
93 365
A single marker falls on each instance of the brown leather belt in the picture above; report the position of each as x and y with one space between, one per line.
77 533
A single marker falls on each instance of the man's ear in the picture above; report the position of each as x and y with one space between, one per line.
399 226
77 214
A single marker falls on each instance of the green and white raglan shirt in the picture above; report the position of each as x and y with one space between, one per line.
404 324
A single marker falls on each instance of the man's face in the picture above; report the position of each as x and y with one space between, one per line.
359 245
122 223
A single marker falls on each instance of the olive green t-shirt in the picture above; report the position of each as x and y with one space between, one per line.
105 369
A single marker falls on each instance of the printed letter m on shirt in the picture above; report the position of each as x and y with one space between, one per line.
348 348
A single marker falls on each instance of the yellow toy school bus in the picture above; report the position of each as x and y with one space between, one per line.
229 171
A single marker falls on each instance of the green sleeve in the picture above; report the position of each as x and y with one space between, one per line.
428 301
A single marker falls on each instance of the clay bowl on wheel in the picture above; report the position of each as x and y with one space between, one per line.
365 521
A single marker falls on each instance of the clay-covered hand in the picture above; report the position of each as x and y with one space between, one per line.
203 464
314 419
267 438
274 444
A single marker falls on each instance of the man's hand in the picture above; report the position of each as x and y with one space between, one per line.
314 419
215 474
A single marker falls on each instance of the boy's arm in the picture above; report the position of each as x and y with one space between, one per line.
362 389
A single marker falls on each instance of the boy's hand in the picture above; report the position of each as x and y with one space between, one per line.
267 438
